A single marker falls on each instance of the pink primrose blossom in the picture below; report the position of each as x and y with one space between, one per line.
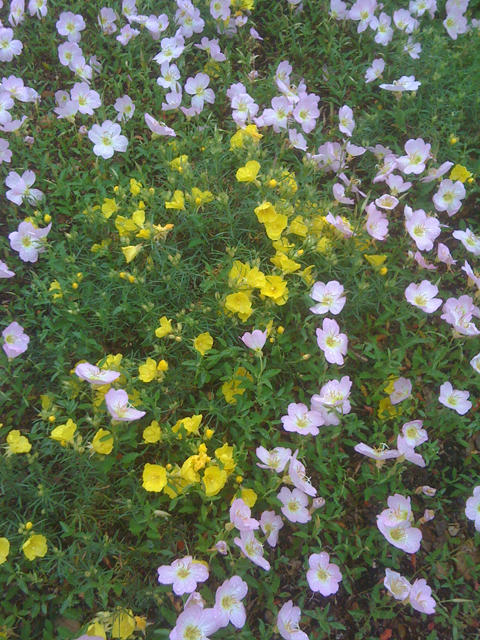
29 241
414 433
399 511
354 150
387 202
409 452
397 585
5 271
279 115
155 25
455 399
296 471
255 340
271 524
17 90
413 49
126 34
119 408
94 375
434 174
106 20
420 597
402 536
107 139
15 340
301 420
341 225
404 21
333 397
352 184
330 157
423 296
170 76
171 48
470 241
276 459
347 123
17 12
405 83
472 508
193 599
255 35
288 620
240 516
221 547
295 505
71 25
306 112
244 109
220 9
333 343
67 52
11 125
418 152
338 10
444 255
471 274
189 20
455 23
212 48
197 87
339 194
183 574
87 98
323 576
252 549
363 12
375 71
9 48
228 602
377 453
402 389
449 196
284 69
389 164
376 223
329 297
158 128
6 103
195 622
397 184
125 108
5 153
382 26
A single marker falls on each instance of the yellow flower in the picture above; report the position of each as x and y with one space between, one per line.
162 366
152 433
386 409
233 387
64 432
239 303
389 388
124 226
102 442
459 172
287 265
178 202
165 327
256 278
148 371
252 131
265 212
249 497
35 547
161 232
375 260
214 480
225 456
307 274
298 227
109 207
123 624
112 362
249 172
203 343
140 623
4 549
131 252
17 443
97 629
274 229
55 286
237 277
191 425
288 182
154 477
201 197
282 245
179 163
275 287
188 472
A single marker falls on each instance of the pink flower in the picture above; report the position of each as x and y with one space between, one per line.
418 152
155 25
306 112
106 20
288 620
197 87
444 255
5 271
339 194
67 52
340 224
228 603
387 202
405 83
5 153
338 10
71 25
397 184
295 505
279 115
399 511
409 452
87 98
403 536
296 471
333 343
9 47
382 26
252 548
329 296
379 453
322 575
195 622
212 48
276 459
119 408
255 340
420 597
240 516
126 34
28 241
183 574
404 21
414 433
159 128
347 123
271 524
376 223
363 11
433 174
94 375
455 399
333 398
107 139
449 196
301 420
472 508
375 71
402 389
171 48
455 23
422 228
470 241
397 585
423 296
20 188
16 341
124 107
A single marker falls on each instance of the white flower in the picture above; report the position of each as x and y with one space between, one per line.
107 139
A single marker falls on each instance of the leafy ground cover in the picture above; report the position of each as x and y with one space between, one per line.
240 381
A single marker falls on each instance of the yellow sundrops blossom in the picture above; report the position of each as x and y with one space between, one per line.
233 387
188 472
165 327
249 172
54 288
162 366
131 252
282 245
386 409
201 197
179 163
203 343
154 477
102 442
238 274
125 226
35 547
275 287
214 480
252 131
150 370
240 304
459 172
255 278
266 212
135 187
123 624
275 228
64 432
97 629
4 549
178 201
152 433
249 497
298 227
307 275
109 207
191 424
225 456
160 233
375 260
284 263
17 443
140 623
